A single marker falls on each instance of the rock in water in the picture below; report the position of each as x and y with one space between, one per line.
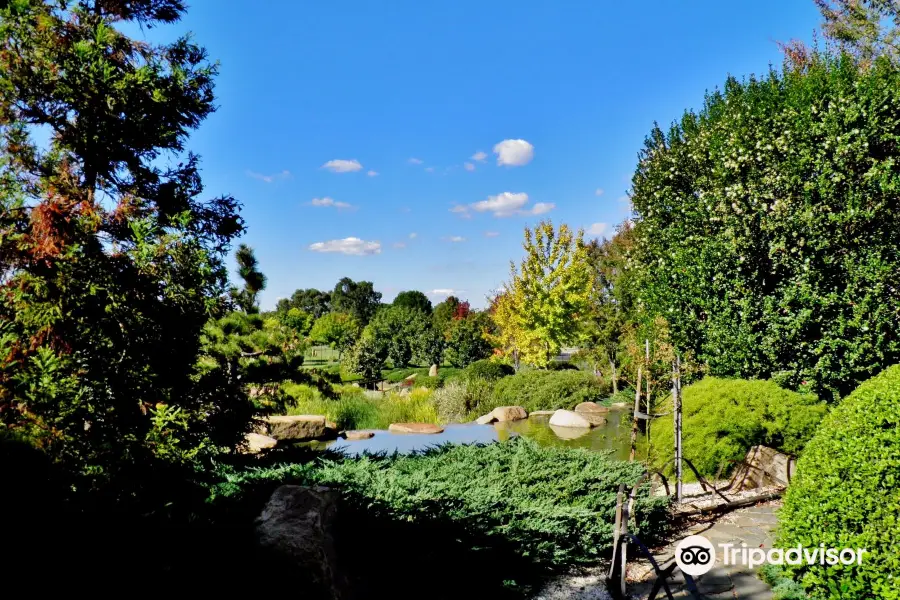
541 413
568 418
432 372
415 428
359 435
257 442
509 413
486 419
299 428
592 412
295 531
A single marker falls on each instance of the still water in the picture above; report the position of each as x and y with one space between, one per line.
615 436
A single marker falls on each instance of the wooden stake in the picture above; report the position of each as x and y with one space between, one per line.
676 408
637 409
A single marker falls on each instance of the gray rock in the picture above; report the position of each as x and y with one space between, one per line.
432 372
541 413
568 418
486 419
358 435
509 413
296 532
591 407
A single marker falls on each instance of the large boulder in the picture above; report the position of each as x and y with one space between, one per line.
415 428
764 467
433 371
298 428
568 418
485 419
358 435
509 413
295 532
592 412
256 442
541 413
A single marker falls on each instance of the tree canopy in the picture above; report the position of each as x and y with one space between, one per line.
357 298
111 259
311 301
767 226
415 300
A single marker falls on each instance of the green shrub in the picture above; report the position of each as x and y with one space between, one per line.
459 400
783 587
847 494
561 365
355 410
488 369
724 418
523 509
547 390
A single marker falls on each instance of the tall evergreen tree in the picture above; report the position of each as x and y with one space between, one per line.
111 262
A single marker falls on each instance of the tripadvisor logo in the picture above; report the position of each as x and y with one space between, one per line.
696 555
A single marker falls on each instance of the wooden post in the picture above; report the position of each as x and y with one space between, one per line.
637 409
676 409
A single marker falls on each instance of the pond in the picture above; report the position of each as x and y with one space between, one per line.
615 436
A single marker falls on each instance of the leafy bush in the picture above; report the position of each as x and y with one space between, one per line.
523 509
466 342
487 369
547 390
724 418
847 494
561 365
776 206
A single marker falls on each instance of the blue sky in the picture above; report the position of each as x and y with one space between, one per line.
563 91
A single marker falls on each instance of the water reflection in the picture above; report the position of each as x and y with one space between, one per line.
614 436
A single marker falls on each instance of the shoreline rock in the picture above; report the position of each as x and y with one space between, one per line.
298 428
429 428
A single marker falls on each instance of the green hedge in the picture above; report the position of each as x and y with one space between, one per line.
847 494
518 510
547 390
723 418
488 369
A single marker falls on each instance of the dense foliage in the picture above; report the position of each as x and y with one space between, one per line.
413 299
548 507
768 226
354 410
546 296
548 390
336 329
466 341
488 369
724 418
406 335
111 261
357 298
847 494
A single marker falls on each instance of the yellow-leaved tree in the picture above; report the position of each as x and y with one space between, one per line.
547 295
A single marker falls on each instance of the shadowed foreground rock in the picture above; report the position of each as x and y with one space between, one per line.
296 533
298 428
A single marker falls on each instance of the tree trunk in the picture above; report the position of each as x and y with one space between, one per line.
634 423
615 380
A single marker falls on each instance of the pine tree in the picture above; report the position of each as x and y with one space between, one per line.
111 261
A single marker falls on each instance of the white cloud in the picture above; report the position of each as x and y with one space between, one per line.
413 235
352 246
459 209
445 292
372 173
455 239
343 166
429 169
415 161
491 234
504 204
598 192
469 166
326 201
598 229
399 245
514 153
540 208
269 178
479 156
